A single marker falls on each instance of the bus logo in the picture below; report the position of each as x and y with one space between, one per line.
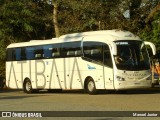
91 67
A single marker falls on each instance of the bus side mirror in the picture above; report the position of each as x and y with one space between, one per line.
153 47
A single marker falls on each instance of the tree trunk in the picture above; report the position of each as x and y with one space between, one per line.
55 19
152 13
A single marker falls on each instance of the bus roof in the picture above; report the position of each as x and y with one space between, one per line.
114 33
103 35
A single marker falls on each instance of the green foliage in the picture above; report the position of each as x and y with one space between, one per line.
85 15
152 34
23 20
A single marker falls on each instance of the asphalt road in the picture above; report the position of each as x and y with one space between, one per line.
139 100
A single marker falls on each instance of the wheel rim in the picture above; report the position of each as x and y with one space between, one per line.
91 86
28 86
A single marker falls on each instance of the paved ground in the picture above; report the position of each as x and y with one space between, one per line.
139 100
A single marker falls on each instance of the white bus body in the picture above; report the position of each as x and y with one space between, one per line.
80 61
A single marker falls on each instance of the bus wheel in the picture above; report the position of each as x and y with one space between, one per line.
90 87
27 86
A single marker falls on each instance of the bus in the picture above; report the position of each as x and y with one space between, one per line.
91 61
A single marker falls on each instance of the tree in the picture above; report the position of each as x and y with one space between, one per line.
55 4
153 12
84 15
55 18
22 21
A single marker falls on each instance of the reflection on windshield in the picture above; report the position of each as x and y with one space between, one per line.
131 55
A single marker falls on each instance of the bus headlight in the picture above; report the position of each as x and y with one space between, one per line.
120 78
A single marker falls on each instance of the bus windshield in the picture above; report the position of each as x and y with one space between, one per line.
131 55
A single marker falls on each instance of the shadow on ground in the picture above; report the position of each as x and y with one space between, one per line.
155 90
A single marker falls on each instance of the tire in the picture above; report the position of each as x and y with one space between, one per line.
2 82
90 87
27 86
3 85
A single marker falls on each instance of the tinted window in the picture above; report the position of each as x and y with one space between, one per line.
48 51
97 52
10 54
30 53
18 54
23 53
56 51
44 51
38 52
71 49
93 50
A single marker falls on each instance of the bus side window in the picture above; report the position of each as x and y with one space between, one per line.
93 51
39 53
71 49
23 53
30 53
56 51
18 54
98 52
47 51
78 53
10 54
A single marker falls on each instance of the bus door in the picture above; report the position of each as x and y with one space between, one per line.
107 68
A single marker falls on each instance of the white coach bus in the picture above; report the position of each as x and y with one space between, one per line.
98 60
